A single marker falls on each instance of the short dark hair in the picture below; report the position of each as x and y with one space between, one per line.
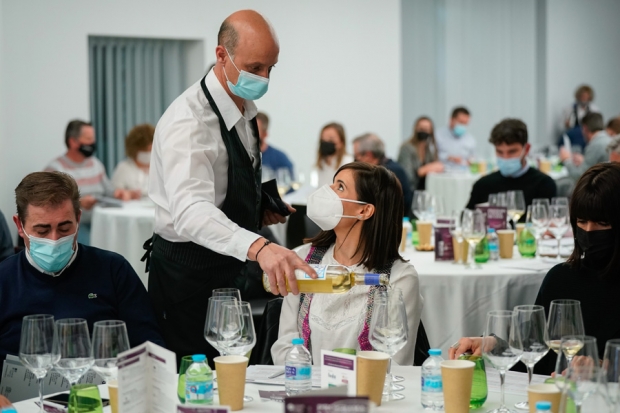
509 131
596 198
228 37
614 125
593 121
264 119
381 233
138 138
74 129
46 188
458 110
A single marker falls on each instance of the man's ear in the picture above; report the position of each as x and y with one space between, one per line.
20 228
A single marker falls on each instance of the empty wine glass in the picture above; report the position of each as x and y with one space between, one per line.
531 323
565 319
577 369
227 292
492 200
515 203
501 347
283 179
389 330
420 205
36 348
72 343
502 199
456 230
109 340
213 317
559 200
539 217
611 371
474 229
558 224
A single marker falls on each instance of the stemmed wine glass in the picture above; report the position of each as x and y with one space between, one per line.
424 206
456 230
389 330
283 179
212 321
36 349
558 224
492 200
515 203
227 292
109 340
560 200
501 347
531 323
539 216
72 343
577 368
474 229
611 372
565 319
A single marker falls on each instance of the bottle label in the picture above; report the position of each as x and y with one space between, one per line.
321 272
298 373
432 384
372 279
199 391
492 246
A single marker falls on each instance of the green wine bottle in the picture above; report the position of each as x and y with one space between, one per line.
479 390
482 251
527 242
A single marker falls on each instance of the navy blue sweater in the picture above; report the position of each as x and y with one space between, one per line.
98 285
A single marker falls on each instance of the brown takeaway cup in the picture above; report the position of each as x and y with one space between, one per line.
457 377
506 242
544 392
371 370
460 252
113 395
231 380
425 229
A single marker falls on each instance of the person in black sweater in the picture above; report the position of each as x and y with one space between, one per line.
56 275
511 147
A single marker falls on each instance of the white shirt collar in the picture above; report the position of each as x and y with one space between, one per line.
53 274
230 112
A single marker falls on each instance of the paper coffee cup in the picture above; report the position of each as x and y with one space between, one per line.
231 380
460 251
544 166
482 167
506 242
425 230
371 370
113 395
457 377
544 392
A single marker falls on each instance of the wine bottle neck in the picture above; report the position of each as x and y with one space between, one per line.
370 279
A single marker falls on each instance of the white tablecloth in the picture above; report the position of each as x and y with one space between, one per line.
124 230
453 188
456 300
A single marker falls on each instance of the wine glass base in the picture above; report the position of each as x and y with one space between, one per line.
397 379
522 405
391 397
502 410
247 399
397 387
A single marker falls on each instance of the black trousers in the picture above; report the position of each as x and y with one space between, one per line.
182 277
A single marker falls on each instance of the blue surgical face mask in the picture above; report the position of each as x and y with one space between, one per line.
509 166
50 255
459 129
249 86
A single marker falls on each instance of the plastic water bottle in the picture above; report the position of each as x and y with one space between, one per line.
199 381
432 387
297 369
543 407
493 244
408 229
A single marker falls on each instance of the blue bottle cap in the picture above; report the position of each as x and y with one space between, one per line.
405 219
197 358
434 352
491 229
542 405
9 409
297 341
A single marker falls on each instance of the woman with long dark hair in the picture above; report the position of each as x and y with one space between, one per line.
332 152
418 155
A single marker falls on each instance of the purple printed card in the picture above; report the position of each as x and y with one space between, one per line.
339 369
443 240
496 217
326 404
202 409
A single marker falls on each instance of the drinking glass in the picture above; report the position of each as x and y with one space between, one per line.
36 349
531 323
213 317
419 206
577 368
474 229
72 343
502 199
84 398
456 230
434 208
501 347
109 339
283 179
565 319
389 330
227 292
515 203
558 223
492 200
560 200
611 371
539 216
541 201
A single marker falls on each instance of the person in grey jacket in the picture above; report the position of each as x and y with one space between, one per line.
596 148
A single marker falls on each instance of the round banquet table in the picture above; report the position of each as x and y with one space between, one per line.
457 300
123 230
452 188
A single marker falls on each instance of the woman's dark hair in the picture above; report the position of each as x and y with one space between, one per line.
339 152
381 233
597 198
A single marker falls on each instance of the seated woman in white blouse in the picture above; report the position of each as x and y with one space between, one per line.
133 172
361 217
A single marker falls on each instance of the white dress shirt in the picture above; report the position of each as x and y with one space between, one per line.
568 114
336 320
448 144
189 170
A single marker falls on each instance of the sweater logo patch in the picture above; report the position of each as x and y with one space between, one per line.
91 296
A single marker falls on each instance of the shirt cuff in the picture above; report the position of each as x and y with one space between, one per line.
240 243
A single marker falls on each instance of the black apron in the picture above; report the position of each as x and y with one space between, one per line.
184 274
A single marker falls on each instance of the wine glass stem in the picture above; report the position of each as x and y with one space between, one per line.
388 377
502 378
559 254
40 383
472 253
530 371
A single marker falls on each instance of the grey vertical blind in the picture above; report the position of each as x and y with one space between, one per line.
132 81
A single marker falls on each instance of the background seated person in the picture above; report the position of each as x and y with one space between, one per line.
361 218
614 149
613 126
133 173
418 156
592 273
332 153
511 148
597 142
56 275
6 243
273 158
455 145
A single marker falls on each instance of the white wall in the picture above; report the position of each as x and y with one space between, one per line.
338 61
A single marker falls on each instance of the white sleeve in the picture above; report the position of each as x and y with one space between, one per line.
405 277
288 329
188 151
119 177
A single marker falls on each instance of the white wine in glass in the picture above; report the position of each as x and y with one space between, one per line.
564 319
515 205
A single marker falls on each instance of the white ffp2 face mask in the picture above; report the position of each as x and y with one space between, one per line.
325 208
